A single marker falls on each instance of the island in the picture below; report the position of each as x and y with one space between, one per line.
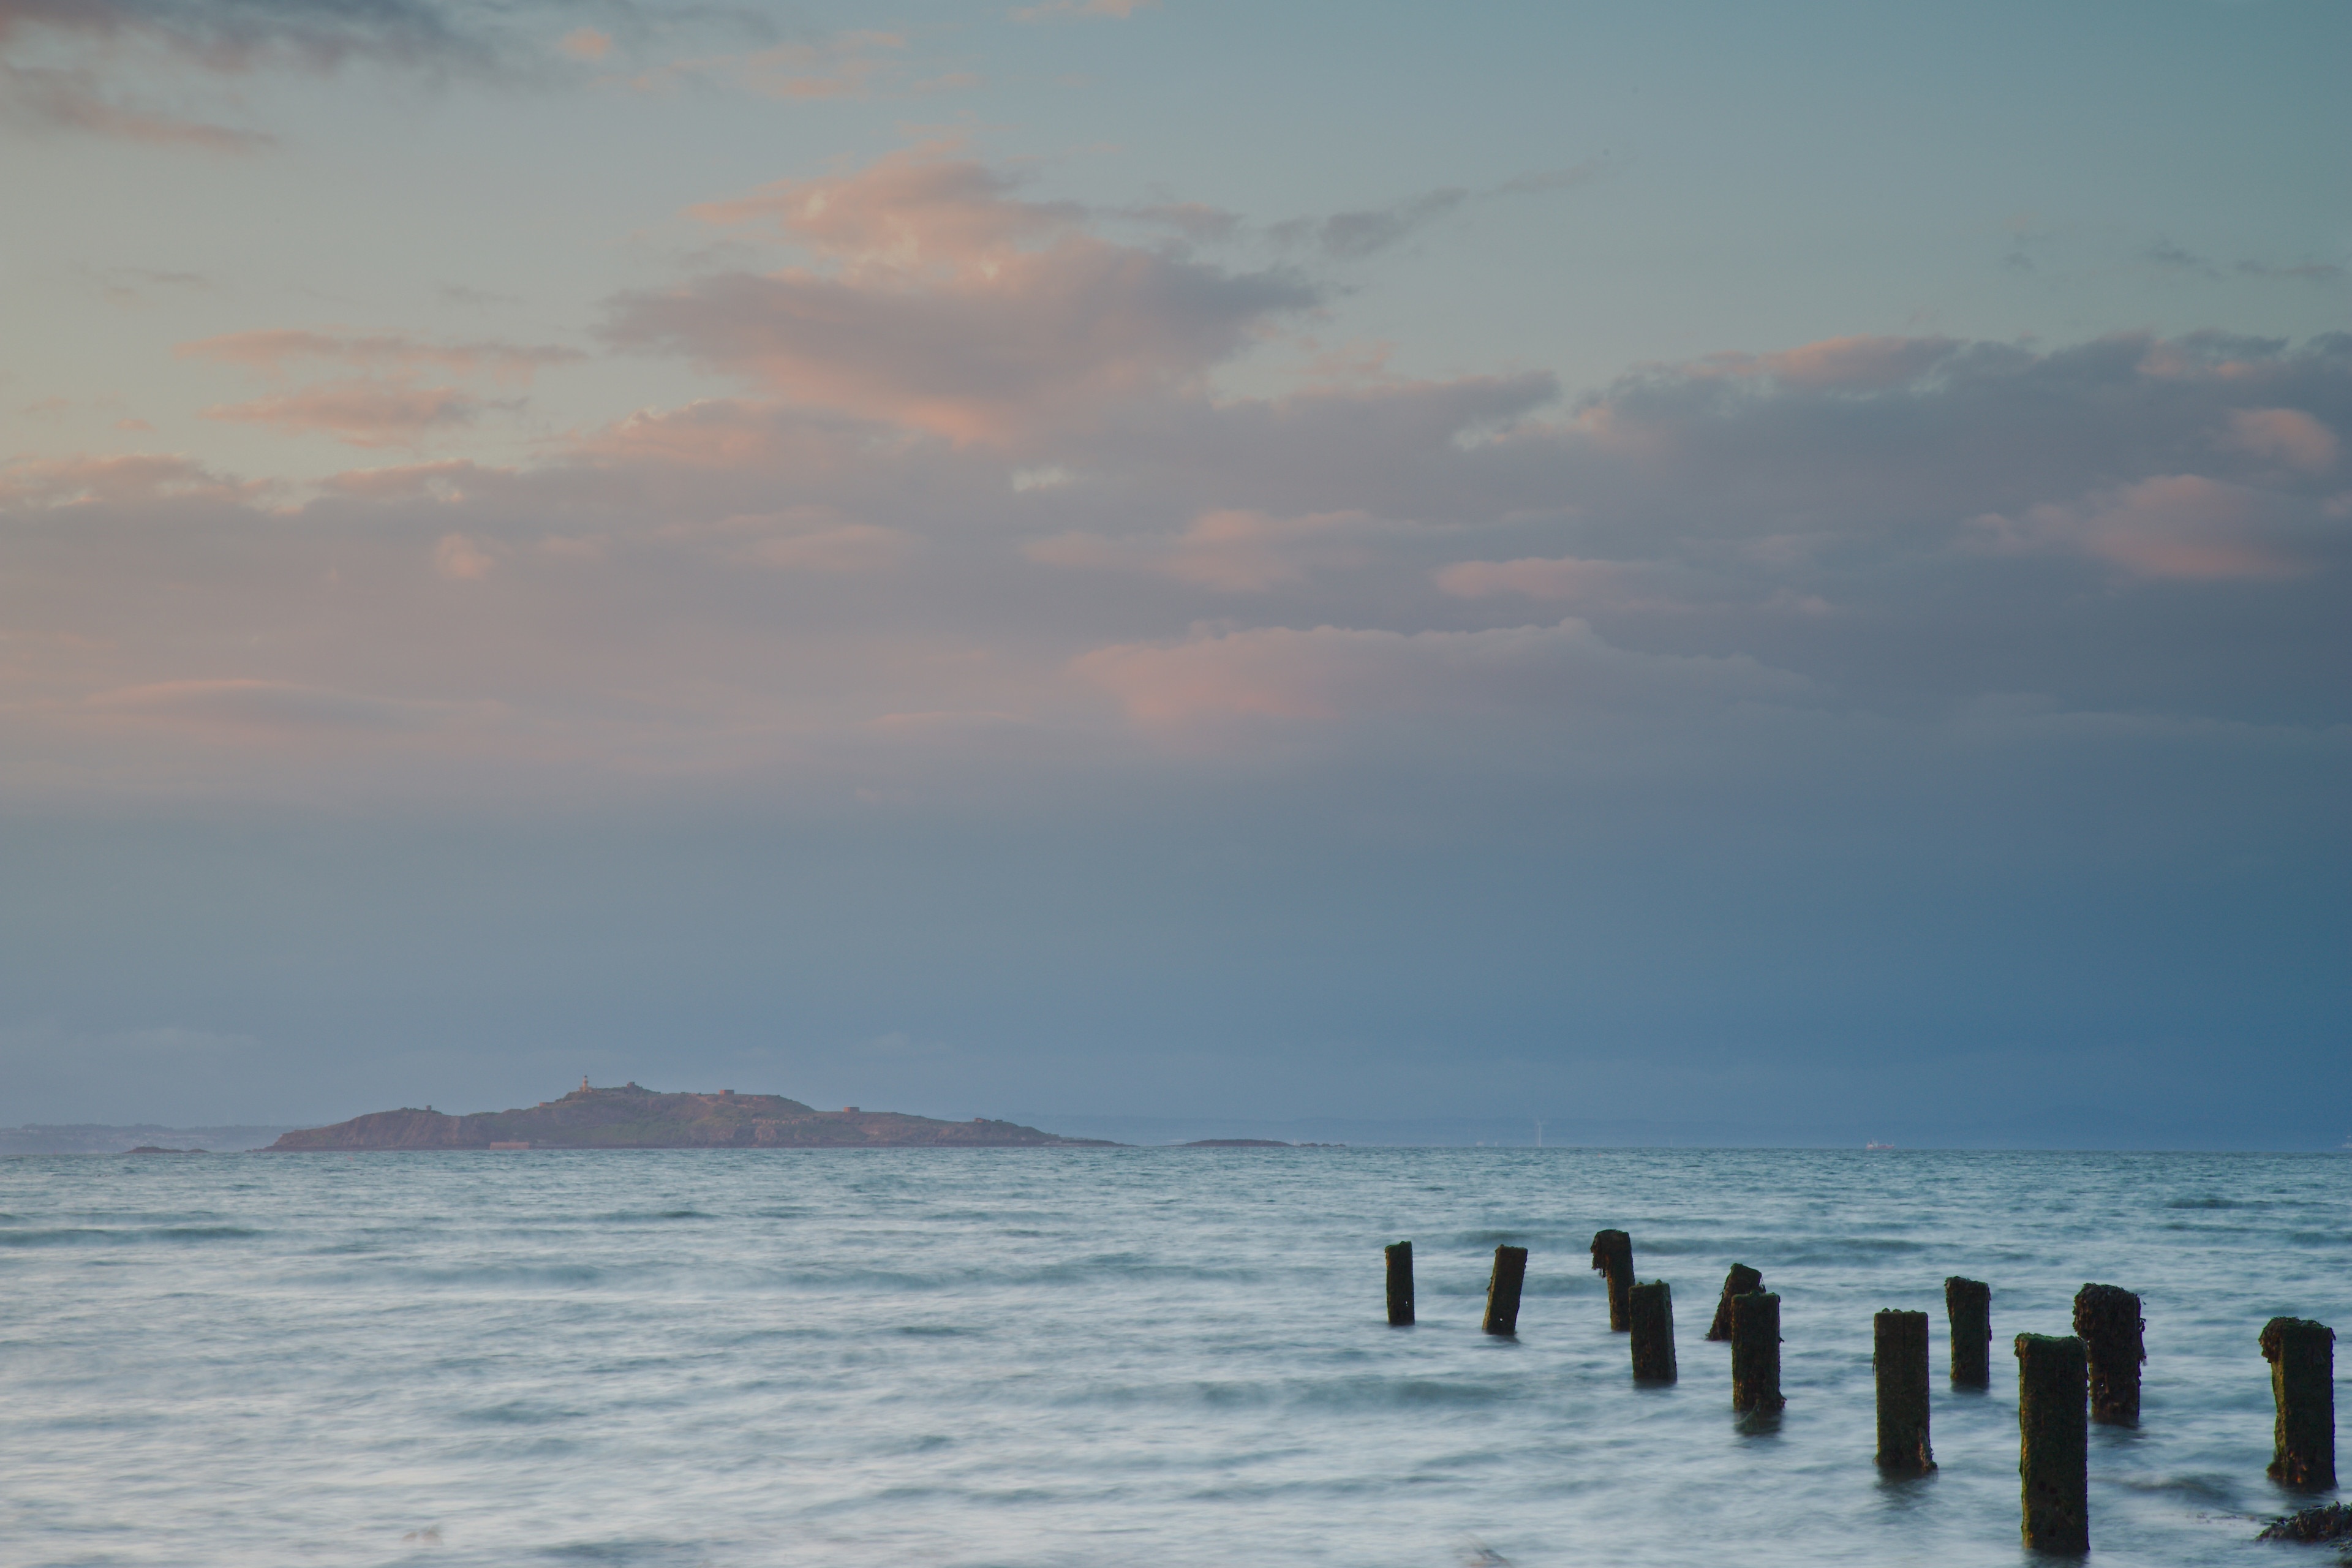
634 1117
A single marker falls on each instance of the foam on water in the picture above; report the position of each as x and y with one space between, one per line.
1094 1357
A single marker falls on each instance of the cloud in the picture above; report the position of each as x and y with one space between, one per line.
358 412
2180 526
462 560
586 43
1073 10
85 42
270 351
269 707
2285 435
1330 673
949 304
1231 552
1564 579
848 65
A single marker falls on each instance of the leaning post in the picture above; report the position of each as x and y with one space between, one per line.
1503 1291
2054 1440
1738 1283
1400 1261
1653 1313
2302 1354
1756 1351
1967 1306
1612 1254
1899 1358
2108 1319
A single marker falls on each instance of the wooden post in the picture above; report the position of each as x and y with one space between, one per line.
2053 1442
1968 1307
1503 1291
2302 1354
1612 1254
2107 1320
1899 1356
1756 1351
1652 1313
1738 1283
1400 1260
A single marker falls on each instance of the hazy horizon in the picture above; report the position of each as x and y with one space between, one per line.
1781 572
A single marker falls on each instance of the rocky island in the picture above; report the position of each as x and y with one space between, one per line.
633 1117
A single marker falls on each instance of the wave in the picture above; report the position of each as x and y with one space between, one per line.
98 1236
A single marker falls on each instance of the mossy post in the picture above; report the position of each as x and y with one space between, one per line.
1400 1258
1652 1311
1503 1291
1899 1356
1738 1283
2302 1354
2108 1319
1967 1305
1756 1351
2053 1441
1612 1254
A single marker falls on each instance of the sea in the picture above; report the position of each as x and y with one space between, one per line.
1101 1356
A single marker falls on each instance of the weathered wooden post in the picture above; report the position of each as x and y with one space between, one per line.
1967 1306
2302 1354
1738 1283
1653 1313
1399 1259
1899 1357
2053 1441
1503 1291
1756 1351
2107 1320
1612 1254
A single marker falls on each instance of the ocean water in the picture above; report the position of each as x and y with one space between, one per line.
1098 1357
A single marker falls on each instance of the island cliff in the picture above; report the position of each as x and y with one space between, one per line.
632 1117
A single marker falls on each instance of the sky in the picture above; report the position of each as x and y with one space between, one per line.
1699 572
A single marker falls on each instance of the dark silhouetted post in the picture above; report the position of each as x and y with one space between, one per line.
1503 1291
2053 1442
1399 1256
1899 1356
2302 1354
1756 1351
1652 1311
1612 1254
2108 1319
1967 1305
1738 1283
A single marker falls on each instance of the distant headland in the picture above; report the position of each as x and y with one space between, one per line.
633 1117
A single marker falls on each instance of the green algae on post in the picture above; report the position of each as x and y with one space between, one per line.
1653 1313
1967 1306
1738 1283
1503 1291
1612 1256
1400 1261
2107 1320
2302 1354
1899 1358
2054 1440
1756 1353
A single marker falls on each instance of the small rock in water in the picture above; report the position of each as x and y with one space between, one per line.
2331 1522
1478 1554
431 1537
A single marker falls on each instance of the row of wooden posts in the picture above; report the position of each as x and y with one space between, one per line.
2063 1382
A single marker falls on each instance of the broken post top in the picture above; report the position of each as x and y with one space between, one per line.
1738 1283
2280 1331
2109 1315
1613 1252
1959 1287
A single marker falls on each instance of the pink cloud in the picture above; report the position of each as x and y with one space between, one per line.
2180 526
136 477
1850 363
270 352
358 413
1057 10
1333 672
2287 435
1531 578
949 305
586 43
1233 551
